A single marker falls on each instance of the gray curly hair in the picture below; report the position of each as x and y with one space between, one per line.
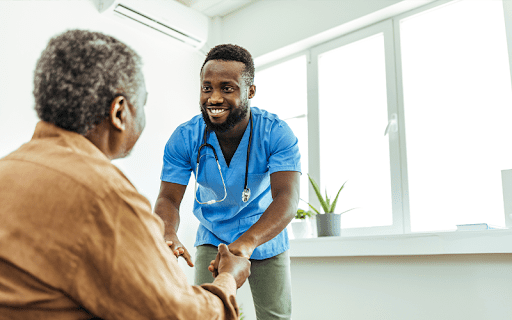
79 74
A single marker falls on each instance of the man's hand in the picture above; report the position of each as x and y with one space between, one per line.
178 249
238 248
238 267
241 249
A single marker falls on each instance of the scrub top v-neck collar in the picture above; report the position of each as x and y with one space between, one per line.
238 157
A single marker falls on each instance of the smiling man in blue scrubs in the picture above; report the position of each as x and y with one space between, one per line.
249 196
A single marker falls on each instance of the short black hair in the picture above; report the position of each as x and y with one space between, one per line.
78 76
232 52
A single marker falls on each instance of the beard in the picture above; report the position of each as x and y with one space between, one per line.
235 116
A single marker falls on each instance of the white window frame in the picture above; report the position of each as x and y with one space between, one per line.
401 227
385 27
507 9
400 107
305 53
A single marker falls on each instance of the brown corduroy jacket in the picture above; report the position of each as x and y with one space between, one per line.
78 241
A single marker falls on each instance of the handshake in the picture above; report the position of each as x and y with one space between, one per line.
237 264
238 267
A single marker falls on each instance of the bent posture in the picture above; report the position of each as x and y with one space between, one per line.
246 164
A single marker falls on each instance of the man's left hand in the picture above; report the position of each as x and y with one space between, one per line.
241 249
238 248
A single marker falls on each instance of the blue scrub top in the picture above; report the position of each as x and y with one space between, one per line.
274 148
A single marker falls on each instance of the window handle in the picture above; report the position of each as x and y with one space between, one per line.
392 124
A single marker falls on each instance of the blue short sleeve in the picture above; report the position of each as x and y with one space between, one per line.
284 153
177 161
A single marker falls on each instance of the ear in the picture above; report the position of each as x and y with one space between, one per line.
117 112
252 91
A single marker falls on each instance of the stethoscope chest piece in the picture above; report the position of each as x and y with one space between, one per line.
246 194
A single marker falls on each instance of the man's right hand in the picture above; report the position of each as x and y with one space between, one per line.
238 267
178 249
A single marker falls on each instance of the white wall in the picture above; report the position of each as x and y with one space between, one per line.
266 26
172 80
440 287
473 287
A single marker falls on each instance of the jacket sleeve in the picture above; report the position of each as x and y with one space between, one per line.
126 271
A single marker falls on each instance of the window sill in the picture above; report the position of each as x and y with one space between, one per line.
455 242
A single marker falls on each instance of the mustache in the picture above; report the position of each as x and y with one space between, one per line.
235 116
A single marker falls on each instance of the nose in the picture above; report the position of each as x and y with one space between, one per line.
215 98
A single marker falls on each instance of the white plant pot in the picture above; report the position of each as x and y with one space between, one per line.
301 228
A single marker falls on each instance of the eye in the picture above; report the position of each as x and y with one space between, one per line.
228 89
206 88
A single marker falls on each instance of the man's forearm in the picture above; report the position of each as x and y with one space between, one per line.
285 187
224 287
169 214
277 216
227 282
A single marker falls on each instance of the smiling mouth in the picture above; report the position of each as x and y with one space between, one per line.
216 112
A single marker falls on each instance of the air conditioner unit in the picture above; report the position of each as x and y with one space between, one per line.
166 17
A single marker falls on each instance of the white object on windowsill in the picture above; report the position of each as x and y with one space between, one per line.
506 180
476 227
301 228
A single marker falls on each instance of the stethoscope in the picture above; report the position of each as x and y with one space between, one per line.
247 192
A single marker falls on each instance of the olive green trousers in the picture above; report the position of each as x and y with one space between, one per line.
270 282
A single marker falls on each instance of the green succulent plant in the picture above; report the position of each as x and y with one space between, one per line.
327 205
302 214
242 316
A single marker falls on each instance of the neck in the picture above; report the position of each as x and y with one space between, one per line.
101 137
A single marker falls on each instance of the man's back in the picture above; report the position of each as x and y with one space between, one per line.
64 211
50 190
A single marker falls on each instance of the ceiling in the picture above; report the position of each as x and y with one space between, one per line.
213 8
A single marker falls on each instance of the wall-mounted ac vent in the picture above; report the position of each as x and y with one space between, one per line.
169 18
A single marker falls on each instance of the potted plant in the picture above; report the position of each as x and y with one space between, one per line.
328 223
300 225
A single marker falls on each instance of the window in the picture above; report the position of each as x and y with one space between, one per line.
281 89
458 110
353 116
413 112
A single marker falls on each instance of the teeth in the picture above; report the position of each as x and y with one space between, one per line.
215 111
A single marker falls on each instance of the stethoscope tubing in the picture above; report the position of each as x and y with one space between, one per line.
220 172
247 192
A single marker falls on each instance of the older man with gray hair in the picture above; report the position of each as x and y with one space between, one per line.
77 239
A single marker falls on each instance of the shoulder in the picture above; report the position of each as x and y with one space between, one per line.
266 121
69 170
194 124
185 139
71 188
188 131
270 124
68 195
264 115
